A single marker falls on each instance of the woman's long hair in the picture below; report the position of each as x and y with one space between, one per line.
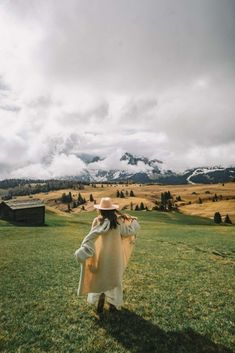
113 216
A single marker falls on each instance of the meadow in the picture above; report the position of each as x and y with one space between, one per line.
178 289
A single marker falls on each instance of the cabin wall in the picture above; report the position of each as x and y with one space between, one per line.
32 216
6 212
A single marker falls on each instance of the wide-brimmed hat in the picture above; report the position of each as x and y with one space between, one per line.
106 204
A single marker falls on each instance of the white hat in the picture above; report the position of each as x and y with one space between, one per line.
106 204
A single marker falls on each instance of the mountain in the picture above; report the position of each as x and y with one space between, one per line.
140 169
88 158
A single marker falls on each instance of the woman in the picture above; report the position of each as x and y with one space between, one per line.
104 254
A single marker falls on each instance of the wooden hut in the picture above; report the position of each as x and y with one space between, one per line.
29 212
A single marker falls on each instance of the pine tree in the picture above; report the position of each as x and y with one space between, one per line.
169 205
164 199
227 219
168 195
118 193
127 193
131 206
91 198
74 204
63 198
142 206
217 218
199 200
137 208
122 195
81 200
132 193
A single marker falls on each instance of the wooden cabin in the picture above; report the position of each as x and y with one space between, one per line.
27 212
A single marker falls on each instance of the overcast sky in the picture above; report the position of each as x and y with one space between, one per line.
155 78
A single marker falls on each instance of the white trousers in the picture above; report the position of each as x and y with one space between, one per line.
113 296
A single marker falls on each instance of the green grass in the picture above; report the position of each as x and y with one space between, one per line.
178 291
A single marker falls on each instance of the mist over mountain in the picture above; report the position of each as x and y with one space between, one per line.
120 167
140 169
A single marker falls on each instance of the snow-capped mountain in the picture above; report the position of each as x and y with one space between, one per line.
133 160
140 169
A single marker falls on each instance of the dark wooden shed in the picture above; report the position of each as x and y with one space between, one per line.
29 212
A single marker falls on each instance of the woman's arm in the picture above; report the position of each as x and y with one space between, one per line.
94 223
129 229
87 248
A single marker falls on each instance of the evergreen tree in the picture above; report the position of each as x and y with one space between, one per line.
169 205
131 206
142 206
132 193
227 219
118 193
81 200
199 200
164 199
122 195
63 198
91 198
168 195
137 208
74 204
127 193
217 218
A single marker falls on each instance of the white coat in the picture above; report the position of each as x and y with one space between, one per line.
104 255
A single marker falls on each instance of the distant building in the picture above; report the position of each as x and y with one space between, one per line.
29 212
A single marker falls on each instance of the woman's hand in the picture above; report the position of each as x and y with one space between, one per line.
129 217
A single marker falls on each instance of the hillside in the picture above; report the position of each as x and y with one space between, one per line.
149 194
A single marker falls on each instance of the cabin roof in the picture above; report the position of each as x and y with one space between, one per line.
21 204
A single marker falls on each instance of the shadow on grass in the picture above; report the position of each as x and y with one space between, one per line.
138 335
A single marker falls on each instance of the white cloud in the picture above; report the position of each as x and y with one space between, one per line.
154 78
61 165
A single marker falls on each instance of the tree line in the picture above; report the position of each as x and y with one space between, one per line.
21 188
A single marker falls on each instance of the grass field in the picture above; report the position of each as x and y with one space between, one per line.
178 290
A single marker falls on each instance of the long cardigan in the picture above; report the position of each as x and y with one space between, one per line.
104 255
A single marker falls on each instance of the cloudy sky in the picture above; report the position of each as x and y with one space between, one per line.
153 77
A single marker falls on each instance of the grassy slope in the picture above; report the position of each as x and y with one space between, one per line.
148 194
177 289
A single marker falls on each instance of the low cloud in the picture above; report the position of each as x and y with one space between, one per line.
151 78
